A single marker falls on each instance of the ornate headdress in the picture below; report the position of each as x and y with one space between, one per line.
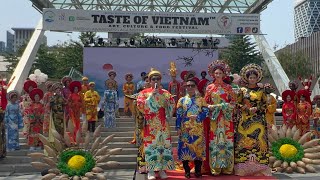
287 93
250 69
293 85
27 85
112 72
35 92
57 85
305 93
92 83
154 72
11 94
173 69
218 64
48 84
128 75
85 78
74 84
183 74
65 79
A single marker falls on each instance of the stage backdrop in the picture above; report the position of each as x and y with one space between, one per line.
137 60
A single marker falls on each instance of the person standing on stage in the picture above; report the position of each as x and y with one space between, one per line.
304 111
251 142
91 99
174 85
111 80
140 84
109 105
128 89
271 105
221 100
191 112
289 109
157 106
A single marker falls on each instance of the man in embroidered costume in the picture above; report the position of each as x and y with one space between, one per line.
221 101
191 112
85 85
271 105
140 84
91 99
251 142
157 105
128 89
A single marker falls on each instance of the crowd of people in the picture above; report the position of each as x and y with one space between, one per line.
222 124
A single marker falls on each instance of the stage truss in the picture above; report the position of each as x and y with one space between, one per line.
203 6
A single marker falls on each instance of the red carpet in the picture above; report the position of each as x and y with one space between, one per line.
180 175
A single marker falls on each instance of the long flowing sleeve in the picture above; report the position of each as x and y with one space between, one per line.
179 113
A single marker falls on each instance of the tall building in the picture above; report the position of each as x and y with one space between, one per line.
10 42
22 36
306 17
310 47
2 46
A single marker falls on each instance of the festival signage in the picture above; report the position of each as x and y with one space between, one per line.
150 22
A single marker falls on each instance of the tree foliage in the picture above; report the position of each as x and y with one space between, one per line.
294 64
54 61
241 52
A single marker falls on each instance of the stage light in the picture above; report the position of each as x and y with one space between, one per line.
205 42
173 41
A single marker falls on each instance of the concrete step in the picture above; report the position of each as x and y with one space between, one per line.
27 168
25 152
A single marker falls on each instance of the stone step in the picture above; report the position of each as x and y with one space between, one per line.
25 159
25 152
27 168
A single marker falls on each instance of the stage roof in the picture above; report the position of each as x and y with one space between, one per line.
205 6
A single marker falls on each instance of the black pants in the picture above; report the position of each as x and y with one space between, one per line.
197 167
91 126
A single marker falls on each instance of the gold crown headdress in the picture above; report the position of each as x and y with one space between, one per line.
251 68
173 69
154 72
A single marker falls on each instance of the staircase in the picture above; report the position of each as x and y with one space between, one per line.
17 163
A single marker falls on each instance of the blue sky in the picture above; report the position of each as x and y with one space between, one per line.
276 21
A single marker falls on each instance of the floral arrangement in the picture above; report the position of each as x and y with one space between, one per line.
291 152
77 159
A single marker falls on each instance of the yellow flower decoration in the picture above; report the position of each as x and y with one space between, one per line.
76 162
288 150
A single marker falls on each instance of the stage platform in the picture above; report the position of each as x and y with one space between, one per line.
177 175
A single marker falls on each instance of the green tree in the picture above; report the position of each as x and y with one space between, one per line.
241 52
85 37
294 64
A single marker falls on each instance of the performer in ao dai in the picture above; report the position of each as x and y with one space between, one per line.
251 143
91 99
316 116
47 111
26 101
271 105
304 111
34 119
128 89
289 110
191 111
221 101
66 80
13 121
76 106
109 105
57 107
157 105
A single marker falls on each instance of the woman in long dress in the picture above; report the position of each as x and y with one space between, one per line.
109 105
304 111
13 121
221 101
57 107
251 143
34 118
289 110
76 105
26 101
46 103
